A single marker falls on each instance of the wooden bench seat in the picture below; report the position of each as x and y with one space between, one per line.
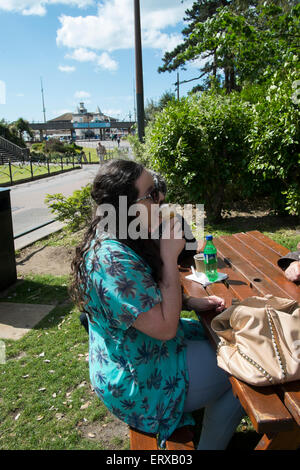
181 439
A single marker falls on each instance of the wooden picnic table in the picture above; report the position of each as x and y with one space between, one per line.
250 260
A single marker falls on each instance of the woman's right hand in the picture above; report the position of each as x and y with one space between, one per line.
172 241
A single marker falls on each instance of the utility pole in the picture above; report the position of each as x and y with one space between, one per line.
134 103
177 83
44 110
139 71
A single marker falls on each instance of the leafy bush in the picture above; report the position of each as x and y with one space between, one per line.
199 145
138 149
11 134
274 139
76 210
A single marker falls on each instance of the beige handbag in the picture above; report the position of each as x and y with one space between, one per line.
260 340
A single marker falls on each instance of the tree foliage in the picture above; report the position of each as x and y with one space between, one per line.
76 210
14 131
274 137
199 145
240 40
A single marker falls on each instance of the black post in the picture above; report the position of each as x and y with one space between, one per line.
139 71
31 170
10 173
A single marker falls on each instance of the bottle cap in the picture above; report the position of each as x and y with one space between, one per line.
209 237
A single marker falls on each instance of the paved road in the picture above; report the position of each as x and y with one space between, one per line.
27 201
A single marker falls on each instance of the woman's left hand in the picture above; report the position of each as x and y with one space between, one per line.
217 302
207 303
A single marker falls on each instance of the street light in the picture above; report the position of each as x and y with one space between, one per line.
139 71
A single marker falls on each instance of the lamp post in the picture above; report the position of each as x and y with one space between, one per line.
139 71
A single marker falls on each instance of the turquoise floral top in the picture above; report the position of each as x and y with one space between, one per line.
141 380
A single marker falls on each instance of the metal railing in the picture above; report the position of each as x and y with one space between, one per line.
33 169
22 153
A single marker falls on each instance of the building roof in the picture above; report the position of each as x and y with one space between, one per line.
67 117
63 117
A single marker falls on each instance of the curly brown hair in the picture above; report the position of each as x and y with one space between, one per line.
115 178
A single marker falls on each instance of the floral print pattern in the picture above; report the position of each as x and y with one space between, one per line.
142 380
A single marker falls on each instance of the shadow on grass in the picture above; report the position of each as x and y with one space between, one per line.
40 289
267 222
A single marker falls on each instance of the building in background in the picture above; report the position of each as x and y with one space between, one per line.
82 124
85 123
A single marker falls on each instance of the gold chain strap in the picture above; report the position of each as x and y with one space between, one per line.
275 344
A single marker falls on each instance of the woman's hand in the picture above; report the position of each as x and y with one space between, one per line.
206 303
292 273
172 241
161 321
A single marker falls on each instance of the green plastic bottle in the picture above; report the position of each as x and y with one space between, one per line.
210 259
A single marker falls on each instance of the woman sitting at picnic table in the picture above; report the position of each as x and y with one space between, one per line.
149 367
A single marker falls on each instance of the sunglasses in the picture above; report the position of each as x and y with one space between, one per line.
154 195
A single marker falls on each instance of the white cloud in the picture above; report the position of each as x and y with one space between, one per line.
67 68
38 7
113 26
104 61
82 55
81 95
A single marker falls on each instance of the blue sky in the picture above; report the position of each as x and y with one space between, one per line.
83 50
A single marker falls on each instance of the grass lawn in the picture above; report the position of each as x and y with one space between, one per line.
20 172
114 152
46 401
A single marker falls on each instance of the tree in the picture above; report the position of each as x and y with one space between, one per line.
10 132
200 12
21 126
152 108
241 39
199 145
274 138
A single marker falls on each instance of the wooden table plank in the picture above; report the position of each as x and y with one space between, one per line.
291 397
259 248
279 249
275 278
263 406
258 280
